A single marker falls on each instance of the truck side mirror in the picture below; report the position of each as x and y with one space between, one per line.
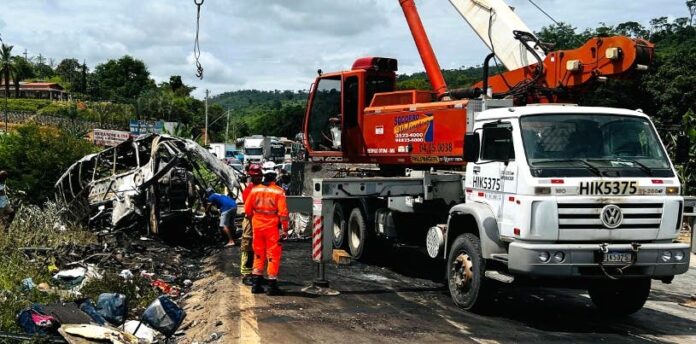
683 147
472 147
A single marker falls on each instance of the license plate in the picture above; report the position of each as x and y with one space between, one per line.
606 187
617 257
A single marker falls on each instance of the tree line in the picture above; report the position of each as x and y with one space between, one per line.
665 91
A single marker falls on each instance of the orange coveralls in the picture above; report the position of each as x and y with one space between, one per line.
267 208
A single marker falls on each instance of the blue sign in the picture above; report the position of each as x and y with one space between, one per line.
139 127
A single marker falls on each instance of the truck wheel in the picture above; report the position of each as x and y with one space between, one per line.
357 234
465 274
339 226
622 297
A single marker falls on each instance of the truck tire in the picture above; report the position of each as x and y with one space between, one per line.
622 297
466 267
339 226
357 234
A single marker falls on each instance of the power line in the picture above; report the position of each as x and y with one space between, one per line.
544 12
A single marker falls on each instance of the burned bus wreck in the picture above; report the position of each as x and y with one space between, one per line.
155 182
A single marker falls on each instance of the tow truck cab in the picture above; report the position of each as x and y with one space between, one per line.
574 191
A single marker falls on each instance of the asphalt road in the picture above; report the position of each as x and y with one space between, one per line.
405 300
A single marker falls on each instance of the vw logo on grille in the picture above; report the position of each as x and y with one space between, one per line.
611 216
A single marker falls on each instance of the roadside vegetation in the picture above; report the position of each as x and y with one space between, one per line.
36 156
38 241
35 228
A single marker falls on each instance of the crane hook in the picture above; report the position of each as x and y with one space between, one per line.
196 44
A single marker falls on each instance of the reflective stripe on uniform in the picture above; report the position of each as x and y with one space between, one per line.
265 212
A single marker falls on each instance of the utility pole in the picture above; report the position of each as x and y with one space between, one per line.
227 130
5 98
6 111
205 142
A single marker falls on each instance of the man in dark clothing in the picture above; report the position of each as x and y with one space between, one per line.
228 210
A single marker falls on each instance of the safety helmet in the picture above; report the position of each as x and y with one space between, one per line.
254 170
269 168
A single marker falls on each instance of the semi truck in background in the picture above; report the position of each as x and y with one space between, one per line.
498 181
257 148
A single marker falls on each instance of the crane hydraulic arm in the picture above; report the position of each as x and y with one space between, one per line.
358 115
561 73
534 75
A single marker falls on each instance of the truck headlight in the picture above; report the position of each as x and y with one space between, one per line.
666 256
558 257
544 256
678 255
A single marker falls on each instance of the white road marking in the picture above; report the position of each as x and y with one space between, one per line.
248 327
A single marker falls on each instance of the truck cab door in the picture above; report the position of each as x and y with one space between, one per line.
352 139
491 174
323 124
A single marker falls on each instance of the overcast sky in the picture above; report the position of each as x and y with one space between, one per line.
274 44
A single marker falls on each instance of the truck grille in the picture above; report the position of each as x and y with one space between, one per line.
587 215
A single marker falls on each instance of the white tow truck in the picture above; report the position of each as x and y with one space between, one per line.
549 193
587 195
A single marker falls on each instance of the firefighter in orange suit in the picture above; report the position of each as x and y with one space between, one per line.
268 210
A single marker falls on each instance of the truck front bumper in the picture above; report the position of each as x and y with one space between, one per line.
582 260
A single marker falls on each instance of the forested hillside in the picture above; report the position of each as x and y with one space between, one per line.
277 113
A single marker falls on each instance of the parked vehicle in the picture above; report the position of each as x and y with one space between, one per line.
499 188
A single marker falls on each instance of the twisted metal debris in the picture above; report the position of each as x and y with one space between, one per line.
157 180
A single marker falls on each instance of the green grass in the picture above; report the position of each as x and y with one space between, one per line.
33 227
14 269
24 105
41 227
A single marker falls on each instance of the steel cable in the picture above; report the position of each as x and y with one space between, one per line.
196 44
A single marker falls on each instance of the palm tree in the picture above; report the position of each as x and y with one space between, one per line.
6 65
22 70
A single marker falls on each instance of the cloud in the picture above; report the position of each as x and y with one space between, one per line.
274 44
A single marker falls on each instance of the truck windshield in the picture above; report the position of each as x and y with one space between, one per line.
253 151
592 145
